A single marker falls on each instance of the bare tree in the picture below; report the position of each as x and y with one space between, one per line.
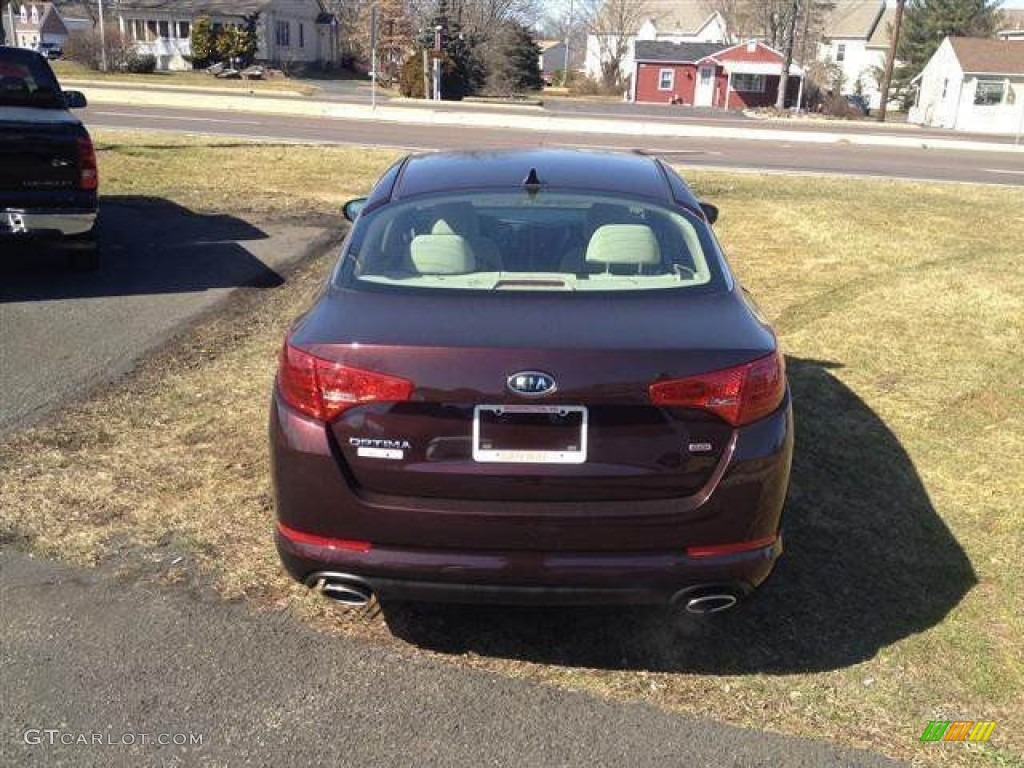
395 37
558 24
614 24
770 20
483 17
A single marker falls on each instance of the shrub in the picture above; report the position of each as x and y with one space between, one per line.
140 64
410 77
837 105
203 42
585 85
84 47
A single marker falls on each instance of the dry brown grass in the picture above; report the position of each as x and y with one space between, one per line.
900 308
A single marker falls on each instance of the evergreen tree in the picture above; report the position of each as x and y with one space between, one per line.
927 23
513 61
238 42
203 42
462 72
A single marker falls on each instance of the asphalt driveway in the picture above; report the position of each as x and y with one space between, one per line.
88 656
62 332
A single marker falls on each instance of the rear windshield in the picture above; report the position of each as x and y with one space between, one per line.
556 241
26 80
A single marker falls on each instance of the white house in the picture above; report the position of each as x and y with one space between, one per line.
856 39
972 84
672 21
35 24
1012 24
289 31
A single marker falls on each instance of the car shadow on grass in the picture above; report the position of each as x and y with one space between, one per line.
868 562
148 245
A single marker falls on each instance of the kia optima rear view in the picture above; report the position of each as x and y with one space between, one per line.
531 378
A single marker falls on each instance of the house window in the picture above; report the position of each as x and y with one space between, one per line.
282 33
151 30
24 15
302 35
945 87
990 92
184 30
163 29
666 79
747 83
840 53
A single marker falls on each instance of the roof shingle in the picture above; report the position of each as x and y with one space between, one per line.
984 56
854 18
661 50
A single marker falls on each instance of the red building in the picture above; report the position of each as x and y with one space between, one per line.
712 74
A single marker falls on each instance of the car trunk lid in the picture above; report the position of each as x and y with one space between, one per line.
466 434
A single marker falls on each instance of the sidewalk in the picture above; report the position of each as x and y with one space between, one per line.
518 118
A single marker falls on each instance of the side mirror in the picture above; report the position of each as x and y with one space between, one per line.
75 99
353 207
710 211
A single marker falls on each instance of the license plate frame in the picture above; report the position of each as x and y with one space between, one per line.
506 455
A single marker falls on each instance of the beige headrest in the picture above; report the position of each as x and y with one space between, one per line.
441 255
456 219
623 244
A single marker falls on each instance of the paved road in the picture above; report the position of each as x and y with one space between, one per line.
162 265
895 162
358 92
84 654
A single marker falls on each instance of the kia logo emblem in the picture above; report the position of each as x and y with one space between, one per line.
531 383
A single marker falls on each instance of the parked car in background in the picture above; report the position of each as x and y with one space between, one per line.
50 50
532 377
48 174
858 103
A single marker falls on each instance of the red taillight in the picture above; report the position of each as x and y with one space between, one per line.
301 537
730 549
323 389
89 177
739 395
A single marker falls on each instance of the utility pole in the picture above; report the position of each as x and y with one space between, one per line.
373 57
437 62
890 60
103 39
568 37
10 27
780 99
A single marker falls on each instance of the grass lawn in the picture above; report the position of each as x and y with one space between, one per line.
900 307
71 70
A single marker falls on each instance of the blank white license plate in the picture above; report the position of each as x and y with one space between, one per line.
530 434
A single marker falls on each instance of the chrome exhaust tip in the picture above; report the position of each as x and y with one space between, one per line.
710 603
709 598
341 588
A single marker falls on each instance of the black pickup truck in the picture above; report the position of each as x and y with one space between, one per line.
48 175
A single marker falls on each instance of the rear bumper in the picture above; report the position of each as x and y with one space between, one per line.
45 223
570 578
533 552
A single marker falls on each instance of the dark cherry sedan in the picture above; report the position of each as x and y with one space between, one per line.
531 377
